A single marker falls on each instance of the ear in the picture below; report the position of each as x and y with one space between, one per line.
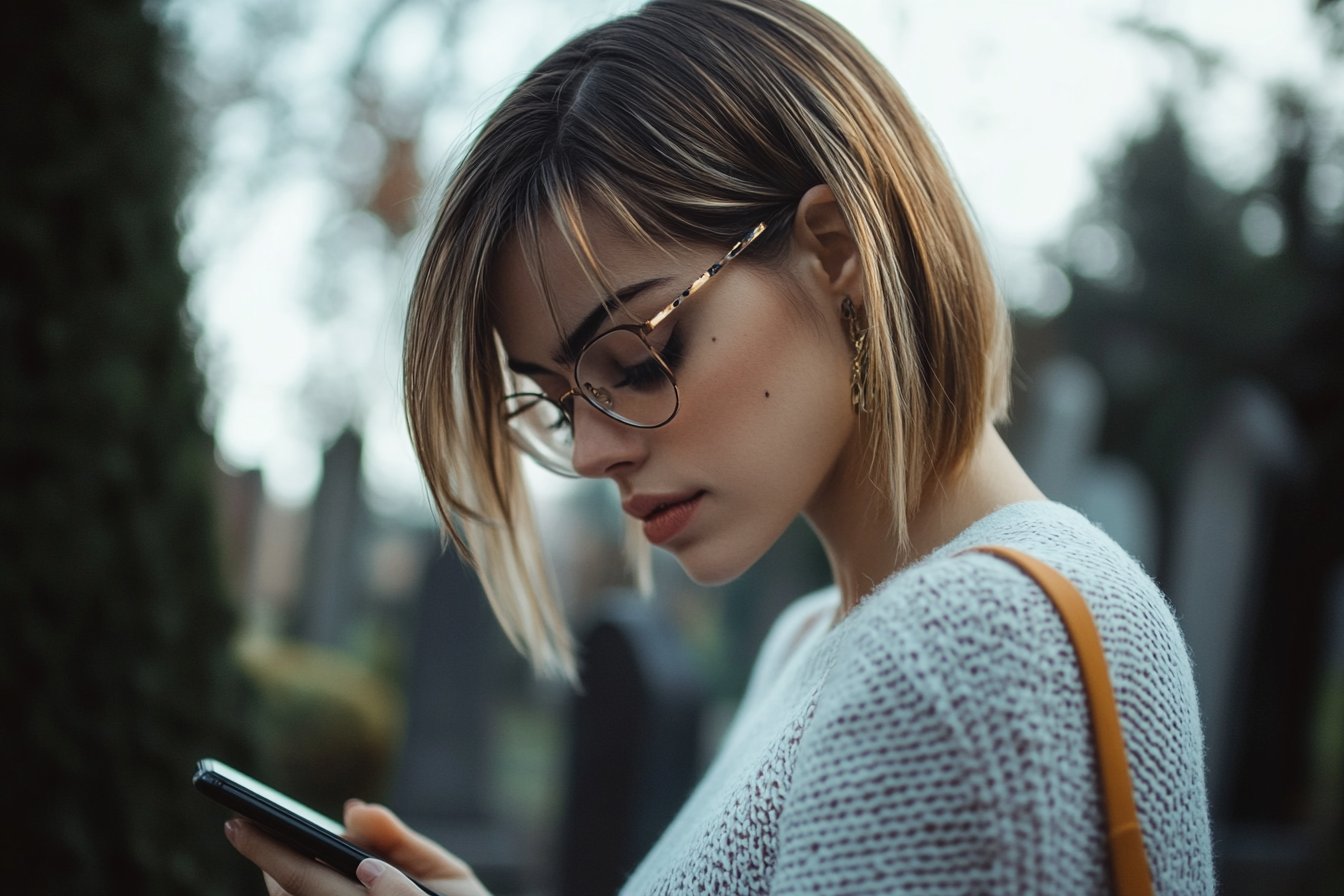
828 254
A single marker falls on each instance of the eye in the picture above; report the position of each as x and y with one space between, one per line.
647 374
673 351
643 377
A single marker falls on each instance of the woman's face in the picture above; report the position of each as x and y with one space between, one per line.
763 372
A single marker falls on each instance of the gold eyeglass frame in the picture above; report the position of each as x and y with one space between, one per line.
642 330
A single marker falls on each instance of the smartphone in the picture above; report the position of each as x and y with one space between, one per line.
289 821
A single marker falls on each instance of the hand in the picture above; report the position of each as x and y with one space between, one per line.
376 829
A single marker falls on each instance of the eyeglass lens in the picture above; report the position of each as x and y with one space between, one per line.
539 426
619 375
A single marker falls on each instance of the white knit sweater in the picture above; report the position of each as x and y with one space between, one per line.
937 739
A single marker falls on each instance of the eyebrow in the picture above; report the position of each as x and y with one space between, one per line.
588 327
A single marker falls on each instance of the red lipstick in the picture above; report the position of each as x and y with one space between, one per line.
665 516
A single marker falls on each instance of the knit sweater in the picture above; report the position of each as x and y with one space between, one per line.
937 739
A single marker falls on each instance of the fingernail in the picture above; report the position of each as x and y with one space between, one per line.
351 803
369 871
231 828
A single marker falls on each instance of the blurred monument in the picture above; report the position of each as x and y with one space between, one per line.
443 779
1057 441
634 751
1327 797
239 499
332 583
1221 535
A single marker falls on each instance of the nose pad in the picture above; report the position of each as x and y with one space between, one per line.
598 394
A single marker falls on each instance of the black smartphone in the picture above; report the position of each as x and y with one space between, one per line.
289 821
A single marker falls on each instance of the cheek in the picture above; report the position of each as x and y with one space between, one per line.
762 431
773 403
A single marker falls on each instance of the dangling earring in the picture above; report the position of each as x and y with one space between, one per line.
858 386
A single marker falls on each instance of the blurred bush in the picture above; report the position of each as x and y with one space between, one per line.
327 728
114 662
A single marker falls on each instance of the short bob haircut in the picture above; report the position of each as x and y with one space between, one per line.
688 123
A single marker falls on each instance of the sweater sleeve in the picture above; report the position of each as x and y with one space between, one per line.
950 750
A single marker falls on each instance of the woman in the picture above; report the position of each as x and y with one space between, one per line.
921 723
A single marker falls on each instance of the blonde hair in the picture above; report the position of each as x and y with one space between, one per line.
691 121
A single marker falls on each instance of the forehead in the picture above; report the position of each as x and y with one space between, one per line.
519 285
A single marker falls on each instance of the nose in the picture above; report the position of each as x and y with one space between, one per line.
602 446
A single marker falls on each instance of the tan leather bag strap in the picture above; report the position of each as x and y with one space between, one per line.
1129 862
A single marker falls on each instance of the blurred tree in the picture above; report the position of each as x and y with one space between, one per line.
114 666
1331 14
1170 301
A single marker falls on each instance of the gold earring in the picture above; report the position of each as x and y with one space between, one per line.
858 386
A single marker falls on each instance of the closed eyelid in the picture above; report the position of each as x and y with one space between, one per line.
527 368
591 325
586 330
605 312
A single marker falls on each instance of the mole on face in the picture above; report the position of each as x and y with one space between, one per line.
713 339
767 395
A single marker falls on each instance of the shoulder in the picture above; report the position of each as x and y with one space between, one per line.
964 588
804 622
811 613
981 624
955 694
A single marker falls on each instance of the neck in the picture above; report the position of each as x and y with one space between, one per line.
856 523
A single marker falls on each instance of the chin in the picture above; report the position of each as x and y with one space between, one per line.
713 564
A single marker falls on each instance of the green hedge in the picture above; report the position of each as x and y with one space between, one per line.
114 664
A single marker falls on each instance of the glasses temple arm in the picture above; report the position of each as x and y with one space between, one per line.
704 278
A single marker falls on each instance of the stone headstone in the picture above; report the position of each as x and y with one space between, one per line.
1220 531
1057 444
331 581
634 747
1061 424
442 784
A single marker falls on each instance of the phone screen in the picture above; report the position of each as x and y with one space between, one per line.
299 827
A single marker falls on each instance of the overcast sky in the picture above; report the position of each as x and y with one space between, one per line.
299 300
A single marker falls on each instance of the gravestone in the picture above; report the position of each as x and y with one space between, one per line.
1057 443
1326 809
1243 456
331 581
634 745
442 784
1061 424
239 497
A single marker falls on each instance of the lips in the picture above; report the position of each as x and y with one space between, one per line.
664 516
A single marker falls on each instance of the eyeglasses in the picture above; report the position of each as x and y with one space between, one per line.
619 372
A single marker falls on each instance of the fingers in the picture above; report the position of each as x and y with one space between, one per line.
384 880
377 829
288 873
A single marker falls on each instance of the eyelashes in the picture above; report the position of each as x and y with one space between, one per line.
674 352
649 375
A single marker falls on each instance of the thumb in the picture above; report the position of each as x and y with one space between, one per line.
382 879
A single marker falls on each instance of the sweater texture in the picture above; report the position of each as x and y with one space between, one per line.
937 739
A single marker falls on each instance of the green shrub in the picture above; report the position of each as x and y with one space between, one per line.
114 665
